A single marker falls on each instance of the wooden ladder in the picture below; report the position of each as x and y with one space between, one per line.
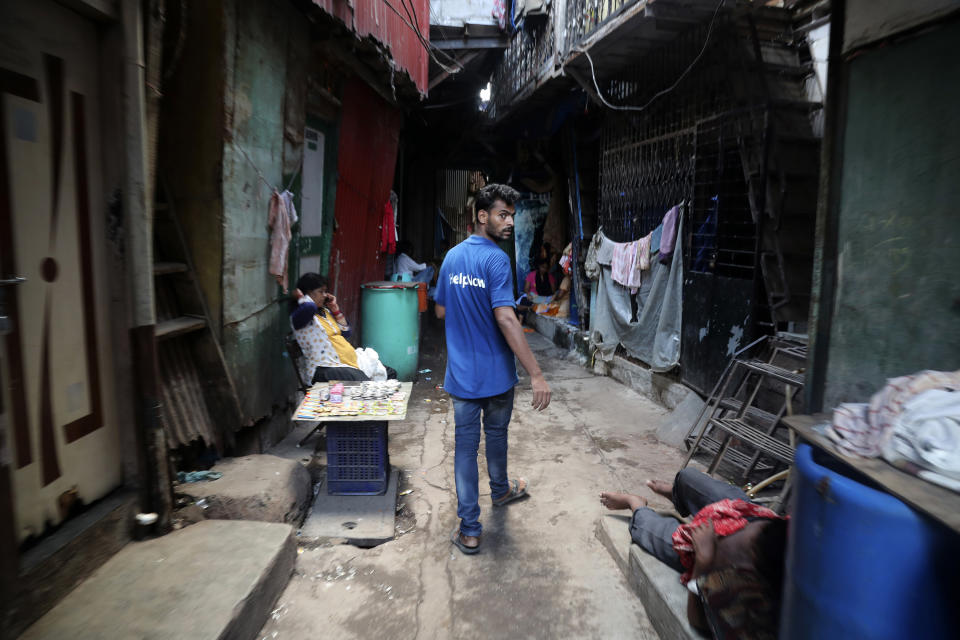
198 395
744 411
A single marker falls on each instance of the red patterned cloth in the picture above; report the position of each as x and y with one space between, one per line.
388 233
728 517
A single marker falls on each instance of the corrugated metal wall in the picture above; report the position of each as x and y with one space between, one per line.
367 155
390 22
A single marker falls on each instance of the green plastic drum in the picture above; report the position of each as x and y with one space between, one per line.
391 324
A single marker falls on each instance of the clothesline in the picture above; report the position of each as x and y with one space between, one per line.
629 260
681 206
260 173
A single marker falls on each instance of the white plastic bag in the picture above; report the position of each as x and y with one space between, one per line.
368 360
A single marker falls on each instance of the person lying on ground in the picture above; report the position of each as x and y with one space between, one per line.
731 555
321 331
420 271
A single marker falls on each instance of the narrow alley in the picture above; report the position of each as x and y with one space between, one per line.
266 266
543 572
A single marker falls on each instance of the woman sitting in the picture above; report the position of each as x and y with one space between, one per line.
542 294
540 282
321 331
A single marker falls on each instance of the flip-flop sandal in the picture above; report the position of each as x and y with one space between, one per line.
515 494
458 543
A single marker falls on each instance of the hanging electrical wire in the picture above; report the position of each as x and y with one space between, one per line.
426 44
410 8
659 94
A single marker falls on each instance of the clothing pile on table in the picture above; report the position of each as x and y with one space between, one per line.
913 423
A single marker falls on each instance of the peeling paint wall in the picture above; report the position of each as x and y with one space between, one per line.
260 37
236 132
897 304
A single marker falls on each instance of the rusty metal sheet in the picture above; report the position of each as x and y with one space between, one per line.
367 155
185 413
392 23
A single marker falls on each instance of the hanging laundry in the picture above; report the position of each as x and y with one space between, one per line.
591 267
599 253
655 239
287 198
388 233
669 237
623 267
643 253
280 219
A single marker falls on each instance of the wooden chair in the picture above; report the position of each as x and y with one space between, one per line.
295 353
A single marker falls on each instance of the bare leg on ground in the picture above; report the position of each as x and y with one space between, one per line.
661 488
614 501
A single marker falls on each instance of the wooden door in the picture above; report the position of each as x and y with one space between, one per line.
61 438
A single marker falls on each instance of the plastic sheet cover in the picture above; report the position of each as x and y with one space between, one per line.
654 335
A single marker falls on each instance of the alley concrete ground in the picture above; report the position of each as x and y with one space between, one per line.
542 572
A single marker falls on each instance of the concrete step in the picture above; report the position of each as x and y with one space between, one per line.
259 487
217 579
657 585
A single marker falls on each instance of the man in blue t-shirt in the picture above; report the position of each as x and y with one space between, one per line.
475 296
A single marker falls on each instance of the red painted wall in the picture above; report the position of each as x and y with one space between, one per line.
367 155
375 18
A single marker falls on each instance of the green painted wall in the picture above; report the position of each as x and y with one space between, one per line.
897 308
267 47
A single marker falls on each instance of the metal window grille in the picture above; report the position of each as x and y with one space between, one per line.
454 192
688 145
722 233
641 179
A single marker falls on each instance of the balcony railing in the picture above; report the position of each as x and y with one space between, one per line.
586 16
530 53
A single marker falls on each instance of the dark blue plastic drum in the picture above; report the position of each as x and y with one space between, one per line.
862 564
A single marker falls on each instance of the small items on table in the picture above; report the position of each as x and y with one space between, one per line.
324 401
356 415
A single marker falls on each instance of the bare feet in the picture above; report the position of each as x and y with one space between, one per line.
614 501
661 488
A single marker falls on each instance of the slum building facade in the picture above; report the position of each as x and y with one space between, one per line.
726 107
611 113
142 326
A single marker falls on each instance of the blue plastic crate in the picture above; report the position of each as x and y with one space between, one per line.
357 459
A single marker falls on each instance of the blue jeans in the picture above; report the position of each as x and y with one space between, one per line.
692 491
496 411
